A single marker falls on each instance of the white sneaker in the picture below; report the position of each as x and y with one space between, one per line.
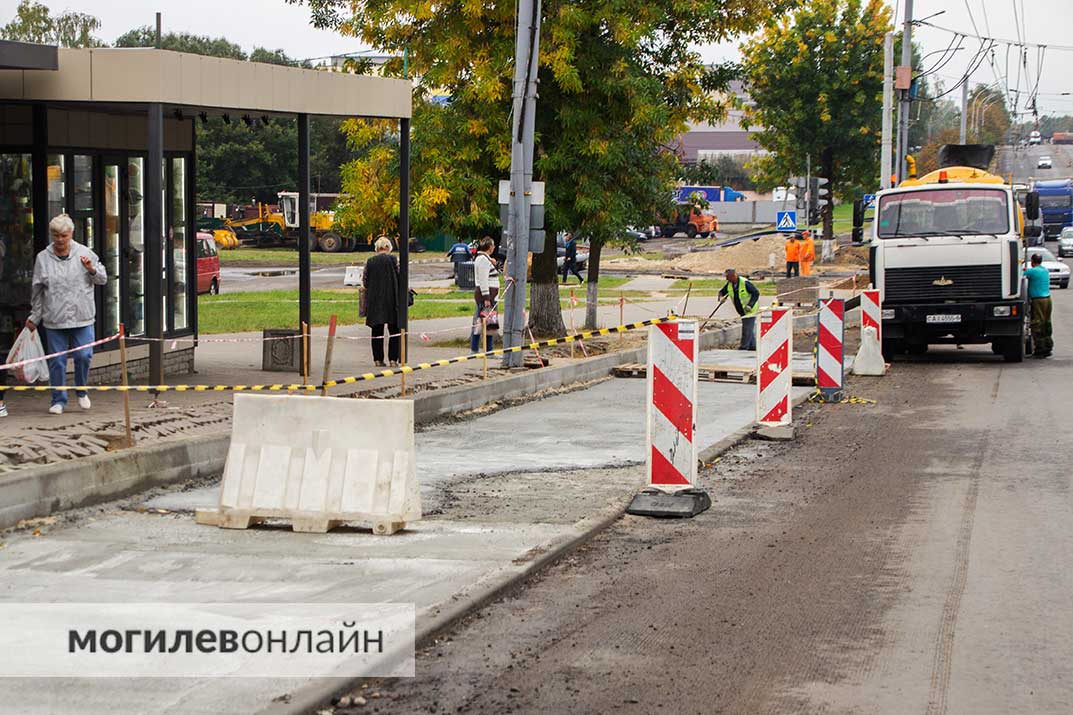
3 410
84 402
56 409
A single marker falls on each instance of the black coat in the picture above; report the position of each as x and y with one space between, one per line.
381 281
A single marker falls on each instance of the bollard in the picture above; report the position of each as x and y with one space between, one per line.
126 393
328 355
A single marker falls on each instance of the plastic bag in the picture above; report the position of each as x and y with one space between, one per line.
27 347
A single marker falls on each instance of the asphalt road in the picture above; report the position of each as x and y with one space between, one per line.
903 557
1022 162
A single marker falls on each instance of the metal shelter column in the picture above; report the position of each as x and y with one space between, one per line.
404 225
154 244
305 314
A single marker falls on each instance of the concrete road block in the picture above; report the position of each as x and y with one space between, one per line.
319 462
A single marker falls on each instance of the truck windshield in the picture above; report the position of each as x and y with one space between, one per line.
944 212
1056 202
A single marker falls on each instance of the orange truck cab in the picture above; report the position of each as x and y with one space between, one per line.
690 221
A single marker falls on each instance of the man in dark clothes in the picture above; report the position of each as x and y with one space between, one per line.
381 282
570 259
458 253
746 299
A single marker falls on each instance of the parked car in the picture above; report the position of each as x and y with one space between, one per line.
208 264
1055 266
1044 162
1065 242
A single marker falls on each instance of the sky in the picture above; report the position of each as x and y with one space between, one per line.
277 25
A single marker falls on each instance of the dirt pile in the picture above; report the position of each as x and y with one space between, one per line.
746 257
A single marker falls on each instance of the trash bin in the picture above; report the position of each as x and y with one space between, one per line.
464 277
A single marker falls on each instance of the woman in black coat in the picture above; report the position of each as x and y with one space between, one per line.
381 282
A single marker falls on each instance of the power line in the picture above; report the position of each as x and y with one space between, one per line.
998 40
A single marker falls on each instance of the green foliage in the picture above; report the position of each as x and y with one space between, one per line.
817 80
617 84
34 22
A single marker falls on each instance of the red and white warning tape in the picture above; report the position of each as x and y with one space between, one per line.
20 363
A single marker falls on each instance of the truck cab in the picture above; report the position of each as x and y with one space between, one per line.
1055 205
947 256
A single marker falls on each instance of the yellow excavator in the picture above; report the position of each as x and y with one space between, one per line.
272 228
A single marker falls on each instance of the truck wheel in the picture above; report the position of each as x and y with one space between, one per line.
1015 349
331 242
891 348
997 347
917 348
691 231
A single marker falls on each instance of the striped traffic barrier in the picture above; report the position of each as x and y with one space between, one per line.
774 381
404 370
830 339
869 359
673 375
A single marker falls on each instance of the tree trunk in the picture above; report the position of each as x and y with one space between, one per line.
828 212
545 311
592 289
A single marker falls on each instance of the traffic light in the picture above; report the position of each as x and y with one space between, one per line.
858 221
823 193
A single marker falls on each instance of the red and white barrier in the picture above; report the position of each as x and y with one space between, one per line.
774 375
673 356
871 313
830 340
869 359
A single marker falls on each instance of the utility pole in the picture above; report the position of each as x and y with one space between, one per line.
904 82
964 109
888 108
526 53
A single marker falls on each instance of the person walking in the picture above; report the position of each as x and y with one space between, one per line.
746 298
793 256
570 258
381 281
808 252
62 301
1039 295
459 254
486 277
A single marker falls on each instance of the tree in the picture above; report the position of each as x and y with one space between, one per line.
617 85
34 22
816 81
725 170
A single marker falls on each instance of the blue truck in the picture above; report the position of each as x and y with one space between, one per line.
1056 205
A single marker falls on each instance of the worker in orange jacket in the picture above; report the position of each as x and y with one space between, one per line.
793 256
808 252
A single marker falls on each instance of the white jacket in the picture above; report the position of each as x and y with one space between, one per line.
62 292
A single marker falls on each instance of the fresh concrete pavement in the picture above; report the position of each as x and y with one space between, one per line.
565 458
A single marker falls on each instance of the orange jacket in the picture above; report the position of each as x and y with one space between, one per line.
793 250
808 249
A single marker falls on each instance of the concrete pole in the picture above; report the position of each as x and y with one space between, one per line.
305 289
526 53
964 108
888 108
903 102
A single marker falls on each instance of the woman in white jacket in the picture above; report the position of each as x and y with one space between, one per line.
486 278
62 300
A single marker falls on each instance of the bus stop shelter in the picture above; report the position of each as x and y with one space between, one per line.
78 129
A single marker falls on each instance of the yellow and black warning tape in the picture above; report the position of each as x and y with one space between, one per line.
404 370
818 396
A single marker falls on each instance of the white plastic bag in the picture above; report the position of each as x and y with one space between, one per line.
27 347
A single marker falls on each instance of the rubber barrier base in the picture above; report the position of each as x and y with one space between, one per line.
678 505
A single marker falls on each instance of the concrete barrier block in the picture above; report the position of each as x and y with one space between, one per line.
318 462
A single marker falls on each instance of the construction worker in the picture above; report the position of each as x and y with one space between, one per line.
746 299
808 252
793 256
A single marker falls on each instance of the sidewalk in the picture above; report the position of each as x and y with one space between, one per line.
29 435
547 474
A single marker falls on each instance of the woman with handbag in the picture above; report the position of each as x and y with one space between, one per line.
486 278
380 283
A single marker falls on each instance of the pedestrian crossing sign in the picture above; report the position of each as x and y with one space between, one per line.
786 220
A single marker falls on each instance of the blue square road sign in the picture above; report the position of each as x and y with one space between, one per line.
786 220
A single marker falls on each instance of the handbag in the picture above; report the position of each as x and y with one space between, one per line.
410 297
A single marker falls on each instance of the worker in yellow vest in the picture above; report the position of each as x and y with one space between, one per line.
808 252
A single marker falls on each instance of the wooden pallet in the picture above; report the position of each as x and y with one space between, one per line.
716 373
301 522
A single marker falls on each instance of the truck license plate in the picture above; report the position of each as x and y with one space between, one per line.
945 318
